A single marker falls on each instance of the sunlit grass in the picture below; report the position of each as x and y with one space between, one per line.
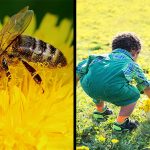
97 23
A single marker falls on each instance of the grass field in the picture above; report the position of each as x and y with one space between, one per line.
97 23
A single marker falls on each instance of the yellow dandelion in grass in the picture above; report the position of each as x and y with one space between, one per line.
114 141
101 138
82 148
30 119
146 107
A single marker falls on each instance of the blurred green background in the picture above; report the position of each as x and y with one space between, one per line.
62 8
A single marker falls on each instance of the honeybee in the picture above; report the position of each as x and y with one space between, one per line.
15 47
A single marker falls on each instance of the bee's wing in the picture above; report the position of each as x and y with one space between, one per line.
14 27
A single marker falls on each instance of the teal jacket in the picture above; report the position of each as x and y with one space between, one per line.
113 70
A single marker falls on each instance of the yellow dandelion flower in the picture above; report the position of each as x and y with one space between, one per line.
82 148
145 105
30 119
101 138
96 128
146 108
114 141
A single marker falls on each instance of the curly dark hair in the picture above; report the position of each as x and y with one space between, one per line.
128 41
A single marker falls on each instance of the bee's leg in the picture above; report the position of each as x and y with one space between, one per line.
5 67
36 76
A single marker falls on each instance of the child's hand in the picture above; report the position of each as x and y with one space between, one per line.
147 91
77 79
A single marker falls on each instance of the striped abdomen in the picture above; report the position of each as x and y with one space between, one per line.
35 50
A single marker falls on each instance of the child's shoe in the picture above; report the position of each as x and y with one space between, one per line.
102 115
128 125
